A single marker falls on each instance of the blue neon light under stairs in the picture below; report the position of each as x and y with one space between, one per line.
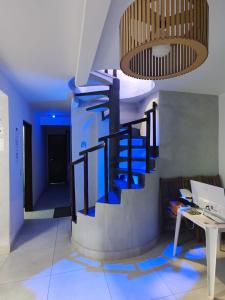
124 177
99 109
91 211
140 165
135 142
113 199
124 185
136 153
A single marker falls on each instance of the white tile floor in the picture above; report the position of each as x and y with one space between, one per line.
44 265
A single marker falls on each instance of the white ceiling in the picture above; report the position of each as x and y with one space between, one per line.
209 78
40 44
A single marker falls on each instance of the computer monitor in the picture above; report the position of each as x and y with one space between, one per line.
208 195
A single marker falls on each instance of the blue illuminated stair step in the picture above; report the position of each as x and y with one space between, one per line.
136 153
135 142
99 109
140 165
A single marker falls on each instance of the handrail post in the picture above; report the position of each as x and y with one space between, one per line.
148 141
86 183
72 193
129 156
154 129
106 171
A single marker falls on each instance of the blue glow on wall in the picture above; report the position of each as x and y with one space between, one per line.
51 118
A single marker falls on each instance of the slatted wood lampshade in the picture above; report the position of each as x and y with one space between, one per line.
161 39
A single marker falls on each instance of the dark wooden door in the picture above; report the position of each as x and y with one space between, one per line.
28 185
57 158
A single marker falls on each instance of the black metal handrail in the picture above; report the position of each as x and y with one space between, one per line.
84 160
113 135
105 145
92 149
135 122
72 188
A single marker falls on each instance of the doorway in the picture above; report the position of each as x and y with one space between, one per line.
57 158
27 166
56 162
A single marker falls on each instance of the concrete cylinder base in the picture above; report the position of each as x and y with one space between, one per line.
121 230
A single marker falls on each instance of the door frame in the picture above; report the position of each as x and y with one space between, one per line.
28 181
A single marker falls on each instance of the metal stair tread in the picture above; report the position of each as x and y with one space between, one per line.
104 106
133 171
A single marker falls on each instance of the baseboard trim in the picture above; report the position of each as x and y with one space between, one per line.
5 250
113 255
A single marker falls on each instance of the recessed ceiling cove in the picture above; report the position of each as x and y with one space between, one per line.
161 39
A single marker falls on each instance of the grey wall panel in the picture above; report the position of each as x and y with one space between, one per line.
188 134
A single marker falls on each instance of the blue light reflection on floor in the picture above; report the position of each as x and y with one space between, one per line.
196 253
153 263
137 273
88 262
168 251
184 274
119 267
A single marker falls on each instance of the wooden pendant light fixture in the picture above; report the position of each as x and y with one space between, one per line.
161 39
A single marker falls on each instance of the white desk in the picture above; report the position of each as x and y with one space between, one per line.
213 231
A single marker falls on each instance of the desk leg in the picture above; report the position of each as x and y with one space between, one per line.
178 221
211 251
219 241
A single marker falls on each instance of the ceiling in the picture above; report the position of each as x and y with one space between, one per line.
42 46
208 79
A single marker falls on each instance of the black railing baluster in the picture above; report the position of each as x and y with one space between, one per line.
148 141
106 171
154 152
86 183
129 156
72 193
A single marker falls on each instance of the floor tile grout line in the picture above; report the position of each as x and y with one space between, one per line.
23 279
174 294
53 257
4 261
107 284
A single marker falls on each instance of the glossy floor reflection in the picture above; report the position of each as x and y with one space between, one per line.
44 265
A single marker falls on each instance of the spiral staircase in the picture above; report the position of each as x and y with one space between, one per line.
125 220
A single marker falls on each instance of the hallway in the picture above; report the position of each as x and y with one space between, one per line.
55 195
44 265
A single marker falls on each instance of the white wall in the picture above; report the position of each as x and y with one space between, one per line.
129 112
222 138
17 112
4 176
12 196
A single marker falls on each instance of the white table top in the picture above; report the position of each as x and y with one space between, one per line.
201 220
